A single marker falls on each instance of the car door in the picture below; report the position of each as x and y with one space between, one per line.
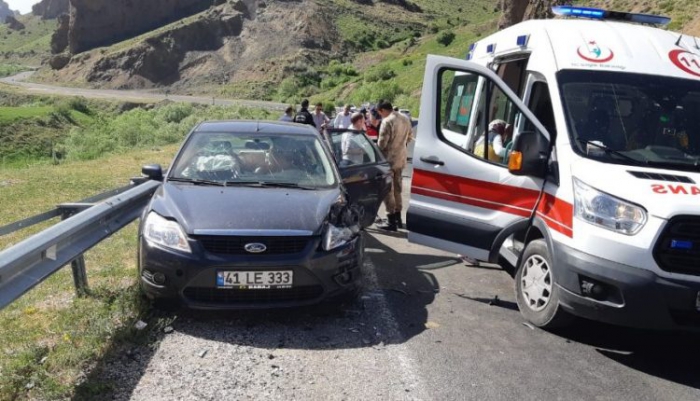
365 172
462 194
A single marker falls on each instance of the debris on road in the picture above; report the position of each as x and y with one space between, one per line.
203 353
432 325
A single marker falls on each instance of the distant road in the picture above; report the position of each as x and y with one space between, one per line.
19 81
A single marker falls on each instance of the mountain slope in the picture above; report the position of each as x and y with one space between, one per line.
281 50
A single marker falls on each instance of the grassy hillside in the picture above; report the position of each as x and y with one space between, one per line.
28 46
397 73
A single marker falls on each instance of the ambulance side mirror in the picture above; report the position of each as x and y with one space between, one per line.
529 156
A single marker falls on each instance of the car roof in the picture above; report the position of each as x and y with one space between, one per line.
252 126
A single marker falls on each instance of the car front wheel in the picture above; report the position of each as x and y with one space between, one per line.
535 288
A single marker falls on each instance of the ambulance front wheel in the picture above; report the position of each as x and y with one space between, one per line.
535 289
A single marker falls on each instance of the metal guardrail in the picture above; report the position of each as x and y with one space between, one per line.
84 224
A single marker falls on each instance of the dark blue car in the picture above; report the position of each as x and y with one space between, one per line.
260 214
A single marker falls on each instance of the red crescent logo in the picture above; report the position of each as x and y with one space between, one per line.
686 61
595 60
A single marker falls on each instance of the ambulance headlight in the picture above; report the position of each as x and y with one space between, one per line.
607 211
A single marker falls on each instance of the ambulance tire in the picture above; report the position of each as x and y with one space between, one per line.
545 315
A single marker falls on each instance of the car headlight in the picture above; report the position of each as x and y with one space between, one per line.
336 237
607 211
164 232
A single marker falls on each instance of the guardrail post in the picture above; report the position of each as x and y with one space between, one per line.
77 265
79 276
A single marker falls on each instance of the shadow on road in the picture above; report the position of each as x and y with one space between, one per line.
391 309
673 356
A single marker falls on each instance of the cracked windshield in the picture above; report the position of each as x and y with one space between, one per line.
242 159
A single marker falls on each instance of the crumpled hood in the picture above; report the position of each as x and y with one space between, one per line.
661 198
244 208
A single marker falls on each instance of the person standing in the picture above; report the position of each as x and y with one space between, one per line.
394 134
320 118
303 116
288 115
372 124
352 152
342 120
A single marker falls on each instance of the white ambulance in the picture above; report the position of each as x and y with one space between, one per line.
569 150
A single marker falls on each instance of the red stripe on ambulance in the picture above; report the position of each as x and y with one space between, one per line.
557 213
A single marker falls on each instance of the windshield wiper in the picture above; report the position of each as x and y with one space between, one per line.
270 184
197 182
609 151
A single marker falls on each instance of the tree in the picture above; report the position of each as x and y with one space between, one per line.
446 37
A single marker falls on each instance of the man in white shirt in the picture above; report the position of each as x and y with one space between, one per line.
320 118
342 120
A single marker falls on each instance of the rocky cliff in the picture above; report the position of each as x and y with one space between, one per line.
5 11
515 11
95 23
238 41
50 9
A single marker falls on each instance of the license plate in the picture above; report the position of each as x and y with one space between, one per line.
255 280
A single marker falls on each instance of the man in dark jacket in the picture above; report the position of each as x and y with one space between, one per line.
303 116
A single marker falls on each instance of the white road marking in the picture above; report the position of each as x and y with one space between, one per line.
399 349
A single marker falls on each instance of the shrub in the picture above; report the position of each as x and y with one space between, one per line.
445 38
381 73
147 128
80 104
374 91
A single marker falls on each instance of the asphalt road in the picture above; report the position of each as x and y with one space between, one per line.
19 81
427 327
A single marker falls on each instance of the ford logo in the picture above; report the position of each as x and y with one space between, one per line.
255 247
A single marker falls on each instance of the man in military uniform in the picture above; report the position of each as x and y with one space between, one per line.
394 134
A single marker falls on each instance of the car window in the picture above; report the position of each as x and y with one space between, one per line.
233 158
351 148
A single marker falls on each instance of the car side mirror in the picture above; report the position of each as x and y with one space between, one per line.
153 172
530 154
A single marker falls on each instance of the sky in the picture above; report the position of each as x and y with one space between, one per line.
24 6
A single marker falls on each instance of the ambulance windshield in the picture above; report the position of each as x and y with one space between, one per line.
633 118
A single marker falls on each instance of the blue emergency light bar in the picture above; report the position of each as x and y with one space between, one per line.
598 13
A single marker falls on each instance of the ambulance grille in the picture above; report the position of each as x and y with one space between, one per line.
678 248
661 177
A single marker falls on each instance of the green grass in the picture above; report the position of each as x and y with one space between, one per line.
35 37
7 70
12 114
50 337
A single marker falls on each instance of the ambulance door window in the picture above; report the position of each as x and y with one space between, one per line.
458 93
484 132
513 74
541 106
